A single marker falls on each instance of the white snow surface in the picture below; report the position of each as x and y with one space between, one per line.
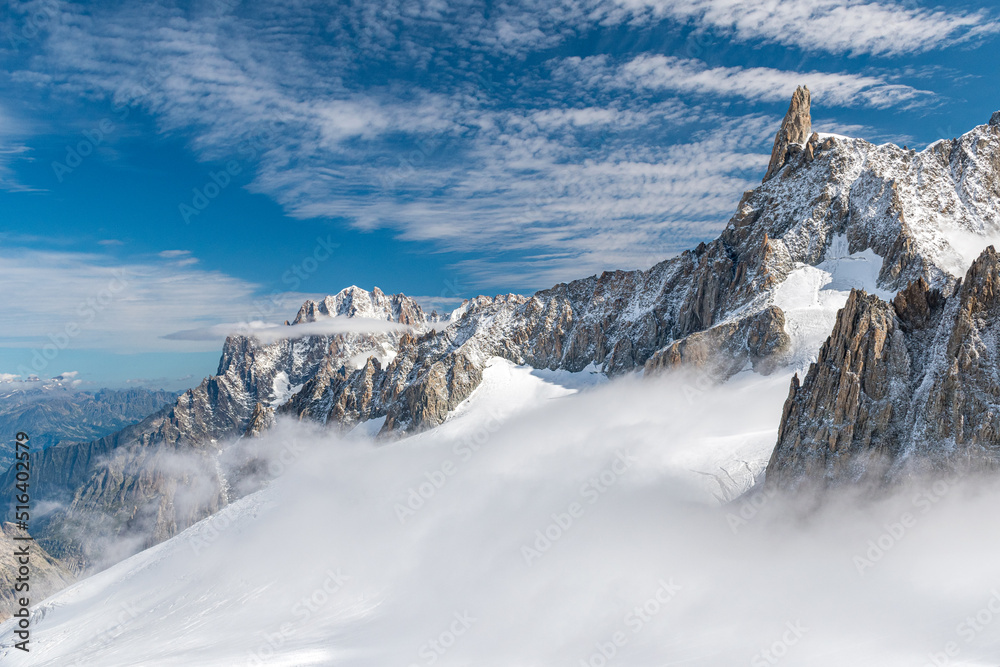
323 567
811 296
283 389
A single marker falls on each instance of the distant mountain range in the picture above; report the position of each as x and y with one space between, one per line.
833 214
53 411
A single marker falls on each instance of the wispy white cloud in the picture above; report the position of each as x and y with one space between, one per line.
57 300
539 177
565 205
836 26
13 147
763 84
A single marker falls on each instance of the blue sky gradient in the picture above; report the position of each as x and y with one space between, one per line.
441 150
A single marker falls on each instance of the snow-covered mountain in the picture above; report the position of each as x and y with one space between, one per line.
834 213
542 526
123 492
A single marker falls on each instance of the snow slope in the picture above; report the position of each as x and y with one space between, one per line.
432 550
811 296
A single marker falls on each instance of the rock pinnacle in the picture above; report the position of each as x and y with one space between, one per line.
795 129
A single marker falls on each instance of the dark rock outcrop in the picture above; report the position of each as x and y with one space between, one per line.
726 348
261 420
900 388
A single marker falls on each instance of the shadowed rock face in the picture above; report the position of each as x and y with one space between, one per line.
899 388
725 349
261 420
796 128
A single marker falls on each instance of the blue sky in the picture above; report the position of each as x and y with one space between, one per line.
168 166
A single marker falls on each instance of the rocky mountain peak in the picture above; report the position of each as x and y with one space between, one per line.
795 129
356 302
995 120
837 201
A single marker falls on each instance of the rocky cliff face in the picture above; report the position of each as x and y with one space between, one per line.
48 575
713 306
147 482
900 388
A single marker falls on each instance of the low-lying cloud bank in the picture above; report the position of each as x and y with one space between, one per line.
267 332
578 531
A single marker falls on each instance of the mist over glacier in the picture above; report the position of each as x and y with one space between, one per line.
555 519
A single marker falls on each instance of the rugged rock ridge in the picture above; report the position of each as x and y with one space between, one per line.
150 480
356 302
899 388
713 305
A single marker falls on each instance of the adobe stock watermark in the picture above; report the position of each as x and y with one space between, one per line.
124 101
779 648
894 531
210 531
970 628
87 311
562 522
202 196
301 612
749 508
296 274
212 528
217 181
407 163
436 647
435 479
126 613
36 20
634 620
706 379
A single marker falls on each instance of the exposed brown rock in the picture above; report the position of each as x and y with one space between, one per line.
840 415
261 420
900 387
727 348
795 130
48 575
